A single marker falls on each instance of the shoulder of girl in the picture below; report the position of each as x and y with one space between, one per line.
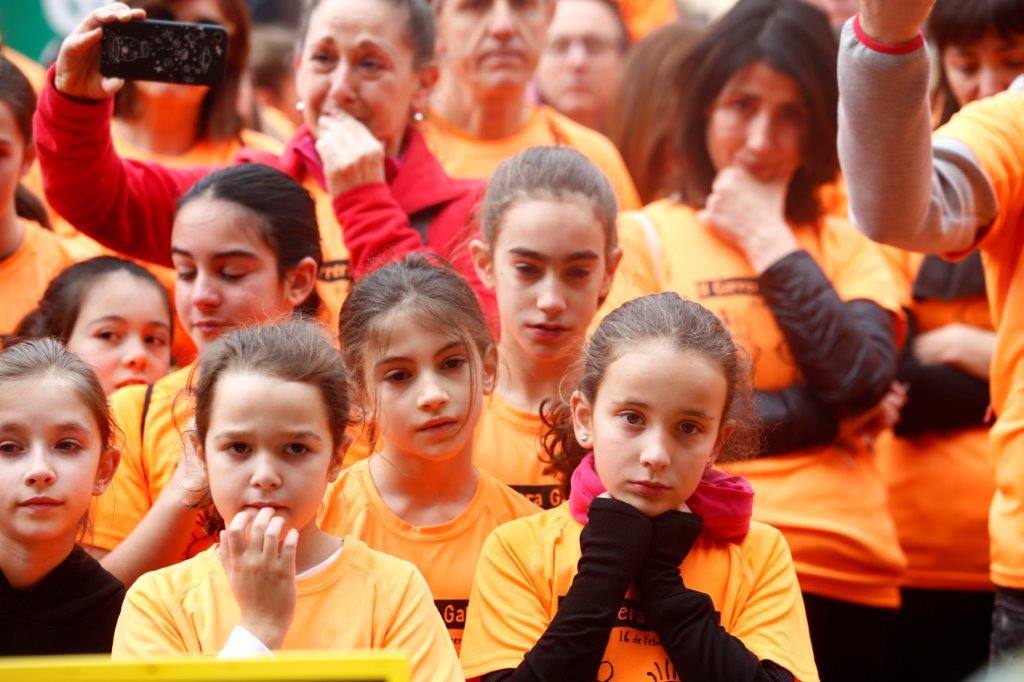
389 572
764 541
170 583
522 535
504 500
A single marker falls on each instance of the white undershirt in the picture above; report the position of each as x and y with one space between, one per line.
243 644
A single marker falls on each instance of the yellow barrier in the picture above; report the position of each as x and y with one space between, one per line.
281 667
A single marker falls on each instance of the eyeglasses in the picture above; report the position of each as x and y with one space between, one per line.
593 45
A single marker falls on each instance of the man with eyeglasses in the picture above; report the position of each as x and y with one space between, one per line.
579 71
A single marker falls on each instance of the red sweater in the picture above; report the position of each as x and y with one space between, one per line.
129 205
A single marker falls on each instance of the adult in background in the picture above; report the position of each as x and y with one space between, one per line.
959 190
363 69
481 111
580 68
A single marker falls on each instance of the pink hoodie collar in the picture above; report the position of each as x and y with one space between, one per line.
723 502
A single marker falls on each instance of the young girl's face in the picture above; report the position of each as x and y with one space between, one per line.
227 274
549 266
269 444
984 68
123 331
655 424
51 460
424 397
15 157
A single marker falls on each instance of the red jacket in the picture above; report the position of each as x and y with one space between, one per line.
129 205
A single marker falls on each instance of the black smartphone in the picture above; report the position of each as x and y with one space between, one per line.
165 51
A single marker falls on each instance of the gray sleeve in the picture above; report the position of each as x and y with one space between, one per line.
902 190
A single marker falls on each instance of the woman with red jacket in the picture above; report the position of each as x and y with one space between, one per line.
364 69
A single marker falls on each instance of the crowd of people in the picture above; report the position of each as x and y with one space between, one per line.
530 339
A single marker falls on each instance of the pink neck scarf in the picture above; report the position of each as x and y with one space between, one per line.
723 502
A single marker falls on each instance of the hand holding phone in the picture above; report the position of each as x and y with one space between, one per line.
77 71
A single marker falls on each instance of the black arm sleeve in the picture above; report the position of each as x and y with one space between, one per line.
846 351
940 398
686 620
793 419
614 543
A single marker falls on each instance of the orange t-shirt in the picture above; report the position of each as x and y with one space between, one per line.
643 16
361 599
528 565
150 452
25 274
507 445
464 156
940 484
445 554
993 129
831 505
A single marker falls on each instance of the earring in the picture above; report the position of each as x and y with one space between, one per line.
300 106
584 438
417 116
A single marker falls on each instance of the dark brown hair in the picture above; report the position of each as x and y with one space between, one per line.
420 29
658 317
295 351
640 121
38 358
965 22
556 173
17 94
219 118
58 309
792 38
421 286
286 213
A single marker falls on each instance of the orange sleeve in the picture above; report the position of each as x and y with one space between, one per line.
903 272
124 504
506 615
773 623
146 627
859 270
417 630
637 274
993 129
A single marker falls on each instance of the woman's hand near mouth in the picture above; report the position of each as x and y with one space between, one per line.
351 155
750 215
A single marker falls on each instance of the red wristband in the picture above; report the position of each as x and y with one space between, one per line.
885 48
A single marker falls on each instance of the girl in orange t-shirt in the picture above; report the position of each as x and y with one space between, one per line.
549 252
246 249
30 254
270 418
422 358
113 314
662 393
810 298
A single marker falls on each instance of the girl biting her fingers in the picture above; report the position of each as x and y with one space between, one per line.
271 411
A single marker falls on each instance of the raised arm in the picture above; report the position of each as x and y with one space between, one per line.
126 205
903 189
